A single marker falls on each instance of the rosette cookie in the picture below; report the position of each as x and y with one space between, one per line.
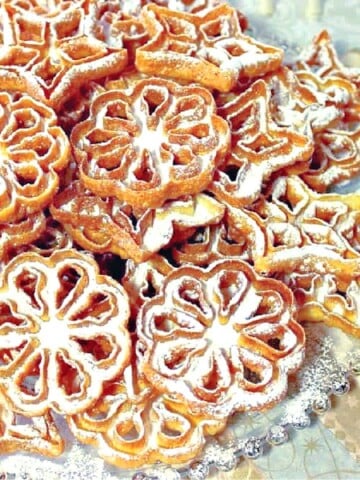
157 142
240 234
328 296
295 219
51 57
336 159
260 147
62 332
33 151
144 280
220 340
321 58
38 8
306 110
17 235
108 225
48 240
208 48
132 425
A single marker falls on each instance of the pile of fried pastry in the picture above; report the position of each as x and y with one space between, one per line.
166 221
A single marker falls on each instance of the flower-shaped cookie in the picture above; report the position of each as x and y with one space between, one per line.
222 339
32 435
157 142
107 225
132 425
33 151
62 332
208 47
50 58
260 147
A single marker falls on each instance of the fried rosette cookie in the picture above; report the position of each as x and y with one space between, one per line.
293 104
62 332
220 340
116 28
336 158
132 425
33 150
45 240
107 225
321 58
38 435
157 142
50 57
76 108
260 147
328 296
298 221
208 48
21 233
38 8
240 234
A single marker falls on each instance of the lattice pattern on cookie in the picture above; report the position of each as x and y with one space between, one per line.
50 58
210 48
336 159
33 151
21 233
321 58
132 425
107 225
220 340
240 234
293 216
260 147
62 332
159 141
38 435
295 105
329 297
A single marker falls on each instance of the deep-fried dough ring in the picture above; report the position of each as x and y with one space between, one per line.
220 340
63 332
208 48
33 151
132 425
107 225
157 142
260 147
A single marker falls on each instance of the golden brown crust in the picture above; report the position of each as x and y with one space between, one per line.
63 332
158 142
208 48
